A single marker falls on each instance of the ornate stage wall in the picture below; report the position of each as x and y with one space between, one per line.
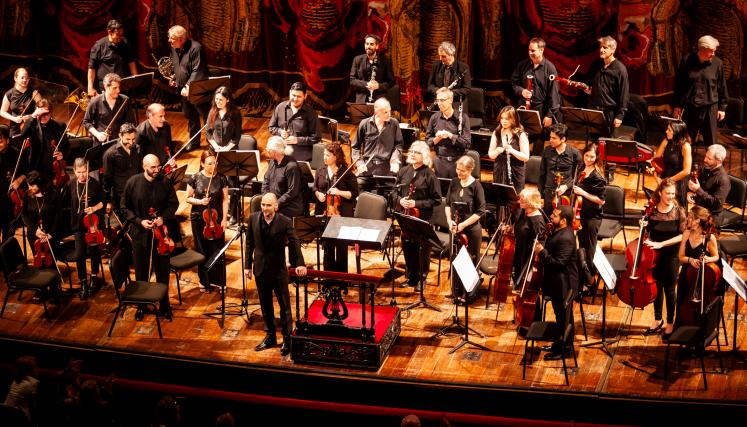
267 44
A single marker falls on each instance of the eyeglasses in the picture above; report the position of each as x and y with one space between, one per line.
440 100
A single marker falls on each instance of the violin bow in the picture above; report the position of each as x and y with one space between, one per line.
116 115
186 144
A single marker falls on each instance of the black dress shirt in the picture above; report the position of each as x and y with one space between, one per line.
39 153
152 142
458 144
698 84
714 187
437 79
45 209
473 195
190 63
595 185
360 75
106 57
199 182
609 87
426 189
284 180
118 168
99 115
568 163
384 147
545 94
20 102
140 195
73 195
225 130
303 125
559 259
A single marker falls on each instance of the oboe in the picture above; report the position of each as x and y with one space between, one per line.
373 79
508 162
530 84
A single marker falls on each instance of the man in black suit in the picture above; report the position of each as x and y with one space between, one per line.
559 258
371 74
445 72
267 234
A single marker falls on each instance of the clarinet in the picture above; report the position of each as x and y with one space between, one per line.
508 165
459 129
373 78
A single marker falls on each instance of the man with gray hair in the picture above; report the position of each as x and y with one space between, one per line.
448 134
713 184
608 81
154 134
377 149
446 70
283 178
700 94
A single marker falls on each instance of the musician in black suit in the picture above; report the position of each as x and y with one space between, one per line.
371 74
559 258
446 70
268 233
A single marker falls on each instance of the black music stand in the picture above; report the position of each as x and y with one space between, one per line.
220 255
94 155
371 233
383 184
426 236
176 176
309 229
238 163
605 269
531 121
505 198
628 149
591 122
138 85
424 117
202 91
731 139
359 111
409 135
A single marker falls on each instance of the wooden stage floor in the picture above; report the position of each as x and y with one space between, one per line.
634 371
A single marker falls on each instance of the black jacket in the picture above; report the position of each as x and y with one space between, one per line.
267 257
559 259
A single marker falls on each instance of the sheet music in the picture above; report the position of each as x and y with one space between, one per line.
368 234
349 233
732 278
466 271
605 269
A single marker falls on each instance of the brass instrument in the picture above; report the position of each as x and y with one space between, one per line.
165 67
78 97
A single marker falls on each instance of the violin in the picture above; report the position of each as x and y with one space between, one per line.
637 287
16 195
60 177
525 303
42 253
507 247
213 229
694 176
115 236
576 224
165 245
559 200
94 236
658 164
412 211
333 205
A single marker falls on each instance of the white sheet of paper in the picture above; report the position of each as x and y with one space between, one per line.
368 234
349 233
466 270
605 269
733 279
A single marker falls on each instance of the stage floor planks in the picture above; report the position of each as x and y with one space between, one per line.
635 370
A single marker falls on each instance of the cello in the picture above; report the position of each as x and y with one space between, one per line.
507 247
525 303
702 286
637 287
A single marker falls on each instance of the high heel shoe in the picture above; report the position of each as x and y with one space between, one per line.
652 331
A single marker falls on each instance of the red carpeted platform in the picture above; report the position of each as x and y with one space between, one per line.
318 342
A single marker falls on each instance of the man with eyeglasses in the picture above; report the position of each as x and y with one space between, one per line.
447 70
448 134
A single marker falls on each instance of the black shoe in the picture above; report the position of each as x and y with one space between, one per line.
167 314
554 356
285 348
139 314
418 287
266 343
405 283
83 289
551 348
652 331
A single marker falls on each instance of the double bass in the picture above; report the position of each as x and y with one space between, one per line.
506 249
637 287
525 303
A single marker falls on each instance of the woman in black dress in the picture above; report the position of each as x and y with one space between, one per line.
590 187
530 222
676 152
509 143
665 227
207 188
342 200
465 204
699 220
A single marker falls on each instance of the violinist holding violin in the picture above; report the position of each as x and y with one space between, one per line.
84 196
589 191
700 227
468 190
145 195
559 159
335 189
19 102
41 211
665 226
45 137
108 111
208 190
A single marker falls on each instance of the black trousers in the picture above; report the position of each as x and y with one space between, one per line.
587 239
80 256
474 238
217 274
193 113
266 286
417 259
141 248
704 120
665 273
445 168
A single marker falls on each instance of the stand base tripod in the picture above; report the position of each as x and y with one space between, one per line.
421 300
604 342
457 326
231 309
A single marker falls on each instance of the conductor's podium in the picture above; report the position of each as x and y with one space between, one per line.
332 331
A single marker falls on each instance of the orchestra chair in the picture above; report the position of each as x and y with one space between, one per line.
372 206
247 142
255 203
19 276
135 293
440 223
476 107
183 259
476 170
699 337
543 331
613 215
533 170
736 199
328 129
393 96
317 156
